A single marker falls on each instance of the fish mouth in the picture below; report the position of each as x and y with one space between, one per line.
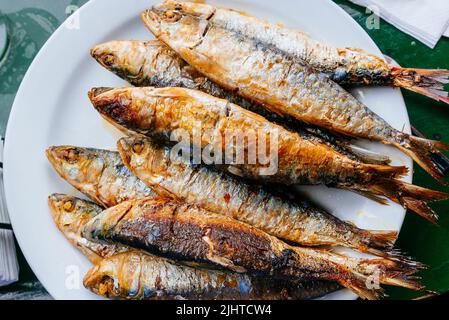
56 202
57 155
95 92
99 282
169 9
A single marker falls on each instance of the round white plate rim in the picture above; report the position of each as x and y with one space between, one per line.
14 127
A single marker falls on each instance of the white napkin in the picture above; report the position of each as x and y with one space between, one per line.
9 267
426 20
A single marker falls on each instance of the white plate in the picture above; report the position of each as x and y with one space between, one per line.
51 108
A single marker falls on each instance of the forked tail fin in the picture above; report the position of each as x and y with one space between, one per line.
410 196
421 150
367 275
428 82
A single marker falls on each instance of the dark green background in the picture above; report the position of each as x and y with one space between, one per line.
34 21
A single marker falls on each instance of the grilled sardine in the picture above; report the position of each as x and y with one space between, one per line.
152 63
266 69
74 162
139 276
187 232
124 273
293 220
164 112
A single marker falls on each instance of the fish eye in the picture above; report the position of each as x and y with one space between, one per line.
71 156
68 206
172 15
138 147
108 60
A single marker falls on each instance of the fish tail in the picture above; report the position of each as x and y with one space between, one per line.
394 273
380 239
421 150
410 196
358 284
366 275
428 82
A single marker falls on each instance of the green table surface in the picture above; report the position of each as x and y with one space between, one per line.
34 21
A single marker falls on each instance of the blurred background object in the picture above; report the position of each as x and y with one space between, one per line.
425 20
4 37
9 267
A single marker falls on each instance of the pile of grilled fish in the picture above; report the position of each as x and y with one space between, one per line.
158 225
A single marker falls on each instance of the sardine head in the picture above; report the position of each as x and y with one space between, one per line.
126 108
107 54
179 24
148 158
136 152
116 276
124 58
81 167
71 214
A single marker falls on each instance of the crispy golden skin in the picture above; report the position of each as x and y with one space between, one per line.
266 69
123 273
152 63
296 221
215 124
140 276
99 174
189 233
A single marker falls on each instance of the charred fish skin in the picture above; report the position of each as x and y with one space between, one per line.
139 276
100 174
162 278
162 226
167 113
293 220
266 70
161 112
152 63
70 215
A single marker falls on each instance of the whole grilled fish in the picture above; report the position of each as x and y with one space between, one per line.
266 69
187 232
343 65
139 276
280 217
152 63
122 272
215 124
296 221
99 174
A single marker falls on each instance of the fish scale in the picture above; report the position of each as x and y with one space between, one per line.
194 234
151 63
125 273
293 220
162 113
267 55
